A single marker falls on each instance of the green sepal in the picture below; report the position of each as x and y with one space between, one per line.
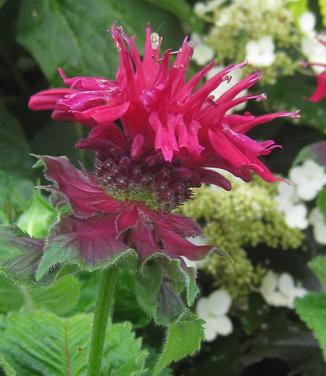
164 288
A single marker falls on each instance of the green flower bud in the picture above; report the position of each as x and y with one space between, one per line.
38 216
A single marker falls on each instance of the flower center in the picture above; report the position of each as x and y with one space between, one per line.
160 185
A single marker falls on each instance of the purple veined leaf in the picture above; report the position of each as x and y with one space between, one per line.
90 243
19 254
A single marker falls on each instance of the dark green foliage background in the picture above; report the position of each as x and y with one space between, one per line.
36 37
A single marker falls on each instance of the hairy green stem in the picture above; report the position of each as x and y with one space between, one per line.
102 311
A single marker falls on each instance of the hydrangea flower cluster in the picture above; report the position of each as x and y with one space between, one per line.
232 27
251 209
155 136
213 310
279 290
306 181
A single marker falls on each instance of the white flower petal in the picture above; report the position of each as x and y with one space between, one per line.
286 284
203 308
309 179
286 196
277 299
307 23
202 54
219 302
320 233
314 51
210 332
260 53
223 325
296 216
269 282
200 9
300 292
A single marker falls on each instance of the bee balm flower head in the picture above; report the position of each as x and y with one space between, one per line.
156 136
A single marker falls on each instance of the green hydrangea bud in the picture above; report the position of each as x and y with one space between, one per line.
237 220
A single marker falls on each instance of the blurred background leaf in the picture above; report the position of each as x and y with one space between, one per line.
14 149
60 298
182 10
298 89
87 48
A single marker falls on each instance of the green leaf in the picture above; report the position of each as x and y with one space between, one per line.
321 202
312 310
126 307
315 152
160 284
6 367
182 10
318 266
322 6
14 195
63 138
14 150
60 298
10 297
183 339
298 89
298 7
37 217
255 316
72 34
41 343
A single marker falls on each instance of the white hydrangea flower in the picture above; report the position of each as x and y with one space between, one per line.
296 216
200 9
223 19
307 23
260 53
213 310
235 77
202 53
314 51
280 290
309 179
286 196
273 5
319 226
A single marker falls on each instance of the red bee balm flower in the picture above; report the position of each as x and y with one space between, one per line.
320 91
102 225
155 136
